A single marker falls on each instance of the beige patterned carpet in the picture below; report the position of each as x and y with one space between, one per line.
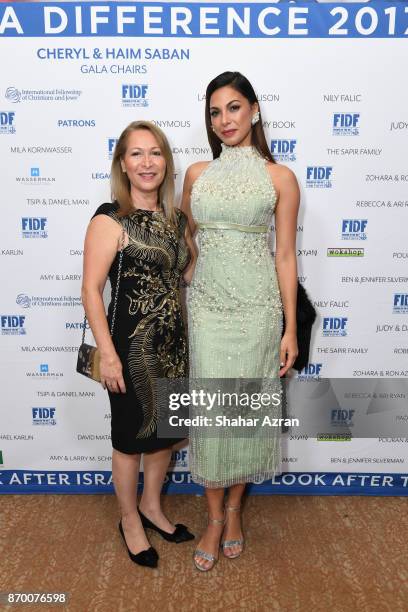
304 554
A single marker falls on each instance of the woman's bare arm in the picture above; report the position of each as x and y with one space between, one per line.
101 245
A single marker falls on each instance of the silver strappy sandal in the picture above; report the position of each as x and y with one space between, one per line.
205 555
231 543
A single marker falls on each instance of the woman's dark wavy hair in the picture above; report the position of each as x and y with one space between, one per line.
237 81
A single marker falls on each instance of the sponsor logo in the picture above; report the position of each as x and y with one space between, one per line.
76 123
34 227
43 416
35 178
341 417
311 371
346 124
319 177
45 372
111 147
179 459
23 300
344 252
335 326
284 150
7 122
329 437
354 229
26 301
134 95
15 95
12 325
400 305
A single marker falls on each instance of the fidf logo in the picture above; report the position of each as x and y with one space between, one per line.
34 227
400 303
342 418
346 124
44 416
335 326
311 371
283 150
7 122
12 325
134 95
179 458
111 146
354 229
319 176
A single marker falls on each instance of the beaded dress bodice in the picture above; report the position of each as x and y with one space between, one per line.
235 190
235 187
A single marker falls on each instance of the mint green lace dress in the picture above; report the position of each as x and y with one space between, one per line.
235 313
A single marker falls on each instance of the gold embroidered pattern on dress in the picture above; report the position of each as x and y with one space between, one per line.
156 255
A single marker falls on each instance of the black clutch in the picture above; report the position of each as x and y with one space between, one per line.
305 317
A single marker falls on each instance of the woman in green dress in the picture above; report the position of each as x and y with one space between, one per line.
236 298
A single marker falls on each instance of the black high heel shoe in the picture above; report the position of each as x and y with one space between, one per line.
180 534
147 558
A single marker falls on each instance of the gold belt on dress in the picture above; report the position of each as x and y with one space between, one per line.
255 229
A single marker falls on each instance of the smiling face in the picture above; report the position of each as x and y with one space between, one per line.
143 162
231 115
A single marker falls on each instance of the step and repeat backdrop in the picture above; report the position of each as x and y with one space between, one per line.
331 83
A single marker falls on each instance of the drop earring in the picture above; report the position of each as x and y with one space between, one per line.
255 118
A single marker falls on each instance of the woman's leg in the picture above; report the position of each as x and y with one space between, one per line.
210 540
155 465
232 529
125 474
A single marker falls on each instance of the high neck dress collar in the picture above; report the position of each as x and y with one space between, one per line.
237 152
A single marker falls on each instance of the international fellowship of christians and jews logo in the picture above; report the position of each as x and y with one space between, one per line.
13 95
23 300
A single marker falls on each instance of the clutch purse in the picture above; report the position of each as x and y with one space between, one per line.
305 317
88 356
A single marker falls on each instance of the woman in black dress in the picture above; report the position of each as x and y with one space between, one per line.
148 340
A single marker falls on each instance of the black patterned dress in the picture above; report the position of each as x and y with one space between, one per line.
149 334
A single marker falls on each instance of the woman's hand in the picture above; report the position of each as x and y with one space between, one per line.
188 274
111 374
288 352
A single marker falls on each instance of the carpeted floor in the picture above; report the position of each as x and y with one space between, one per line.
303 554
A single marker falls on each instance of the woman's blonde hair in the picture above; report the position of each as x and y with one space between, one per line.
120 184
